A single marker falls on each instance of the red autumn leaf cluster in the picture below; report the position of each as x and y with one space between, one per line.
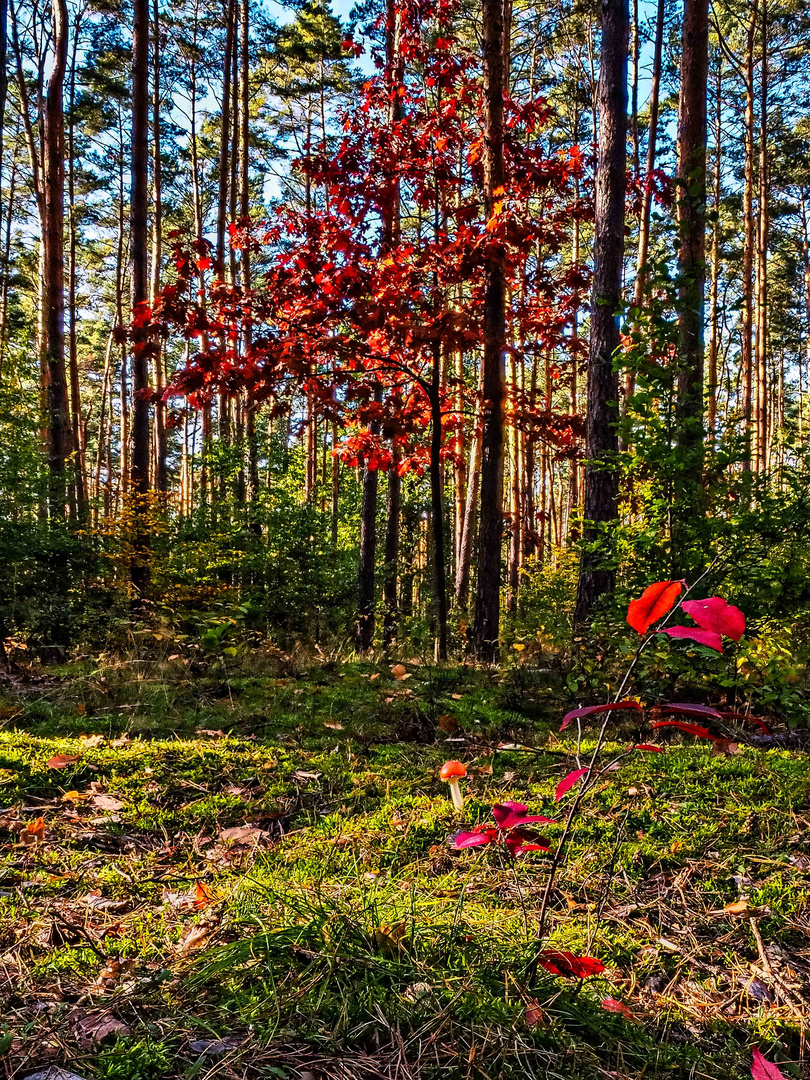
509 829
715 617
566 963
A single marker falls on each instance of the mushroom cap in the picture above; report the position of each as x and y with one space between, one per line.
452 770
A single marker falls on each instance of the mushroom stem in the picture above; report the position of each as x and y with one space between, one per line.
455 794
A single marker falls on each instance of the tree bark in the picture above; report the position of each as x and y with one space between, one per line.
762 440
161 468
691 177
389 237
487 607
54 260
77 428
747 328
139 240
392 553
601 476
714 289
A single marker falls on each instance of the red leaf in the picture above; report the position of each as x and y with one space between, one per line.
702 637
568 782
653 604
534 1014
746 719
684 708
565 963
690 729
717 615
649 747
509 815
609 707
60 761
474 839
610 1004
764 1070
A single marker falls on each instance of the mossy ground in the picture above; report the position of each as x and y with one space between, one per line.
335 933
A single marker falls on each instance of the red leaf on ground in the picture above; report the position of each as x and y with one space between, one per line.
689 729
761 1069
649 748
568 782
717 615
61 761
702 637
610 1004
534 1014
653 604
565 963
588 709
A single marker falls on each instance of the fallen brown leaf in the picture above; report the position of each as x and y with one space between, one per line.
61 761
107 802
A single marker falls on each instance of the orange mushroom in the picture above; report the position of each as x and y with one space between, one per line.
451 773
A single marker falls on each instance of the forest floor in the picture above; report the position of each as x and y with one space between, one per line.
207 874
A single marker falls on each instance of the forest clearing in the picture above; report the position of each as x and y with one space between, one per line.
404 540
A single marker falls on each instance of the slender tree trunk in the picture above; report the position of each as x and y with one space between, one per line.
390 234
54 243
224 174
692 129
714 292
601 477
747 327
636 49
392 553
139 243
368 553
437 510
335 489
640 285
515 503
806 276
487 607
79 463
762 440
161 467
7 263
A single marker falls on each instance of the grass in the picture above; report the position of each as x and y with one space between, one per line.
281 899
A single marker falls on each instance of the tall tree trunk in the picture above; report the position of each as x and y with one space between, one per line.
487 606
54 258
161 467
640 285
335 507
601 477
390 235
224 175
392 553
437 510
691 269
806 277
244 186
714 289
368 553
747 321
139 248
77 428
762 441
